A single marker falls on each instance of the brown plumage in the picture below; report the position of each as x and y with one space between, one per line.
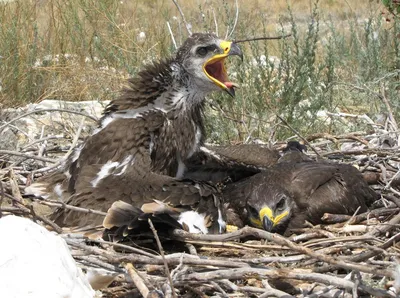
231 163
220 164
286 195
139 150
216 164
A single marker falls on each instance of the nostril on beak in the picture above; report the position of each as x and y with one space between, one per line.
267 224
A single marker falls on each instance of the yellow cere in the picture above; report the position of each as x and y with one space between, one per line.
268 212
226 46
278 218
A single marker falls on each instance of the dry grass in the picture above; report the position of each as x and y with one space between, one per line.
85 49
108 31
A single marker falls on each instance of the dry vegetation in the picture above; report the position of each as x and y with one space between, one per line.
334 82
338 55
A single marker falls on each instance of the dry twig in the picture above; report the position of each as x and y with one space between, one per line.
171 283
187 25
46 110
137 280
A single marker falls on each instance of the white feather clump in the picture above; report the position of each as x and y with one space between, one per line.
37 263
194 221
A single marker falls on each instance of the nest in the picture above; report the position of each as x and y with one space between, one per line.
349 256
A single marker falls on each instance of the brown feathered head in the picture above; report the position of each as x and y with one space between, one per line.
269 207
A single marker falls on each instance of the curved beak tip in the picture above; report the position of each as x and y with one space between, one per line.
230 91
267 224
235 50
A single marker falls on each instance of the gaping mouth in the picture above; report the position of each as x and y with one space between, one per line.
216 71
215 68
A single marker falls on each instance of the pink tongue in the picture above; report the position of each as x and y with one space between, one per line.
228 84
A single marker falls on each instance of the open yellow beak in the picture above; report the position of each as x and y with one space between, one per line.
215 68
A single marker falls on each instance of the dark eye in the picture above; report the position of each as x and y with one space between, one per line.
281 204
202 51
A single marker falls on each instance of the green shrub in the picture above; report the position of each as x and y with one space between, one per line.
336 60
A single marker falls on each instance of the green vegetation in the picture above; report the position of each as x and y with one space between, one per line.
393 6
339 59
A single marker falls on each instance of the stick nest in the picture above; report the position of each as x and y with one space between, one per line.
349 256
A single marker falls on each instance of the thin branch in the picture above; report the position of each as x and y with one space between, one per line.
236 19
70 207
90 260
76 138
1 197
27 156
28 209
44 219
215 22
172 35
42 146
382 229
167 273
379 151
140 259
219 289
177 268
388 184
365 255
124 247
249 231
41 140
187 25
137 280
259 273
298 134
389 108
262 38
48 110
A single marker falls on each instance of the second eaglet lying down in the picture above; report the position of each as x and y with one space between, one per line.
285 196
224 164
139 151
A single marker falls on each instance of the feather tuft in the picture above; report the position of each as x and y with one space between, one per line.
120 214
